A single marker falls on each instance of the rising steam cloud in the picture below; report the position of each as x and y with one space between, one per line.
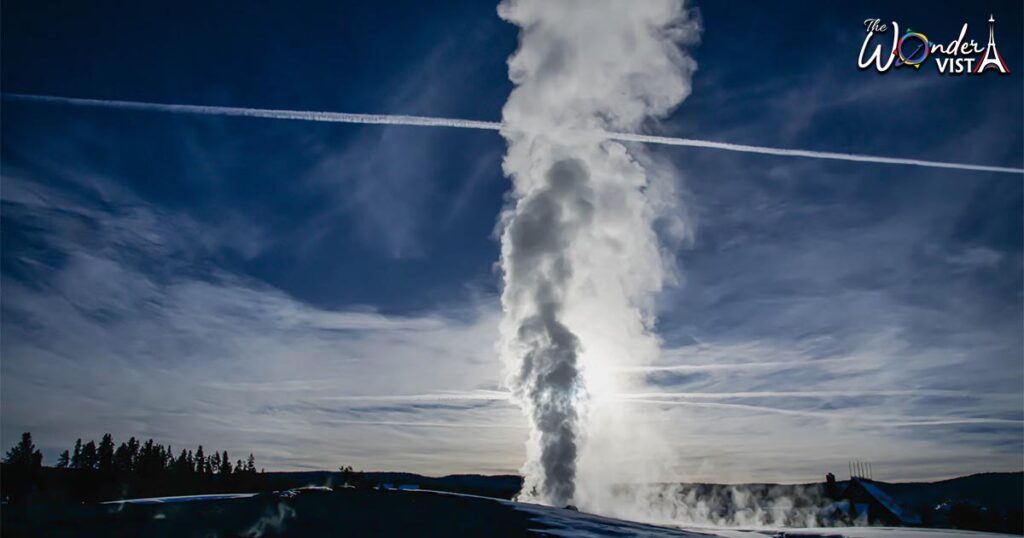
580 256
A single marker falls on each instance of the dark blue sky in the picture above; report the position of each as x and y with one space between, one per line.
145 249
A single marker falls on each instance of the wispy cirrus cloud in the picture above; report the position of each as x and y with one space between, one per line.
191 279
142 337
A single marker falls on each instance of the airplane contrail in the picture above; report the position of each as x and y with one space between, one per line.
301 115
897 421
425 121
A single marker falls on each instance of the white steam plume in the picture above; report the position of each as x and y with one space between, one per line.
580 256
423 121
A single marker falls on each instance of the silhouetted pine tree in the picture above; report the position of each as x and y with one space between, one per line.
105 454
76 457
180 466
24 463
24 453
133 453
63 460
201 468
122 459
89 458
225 464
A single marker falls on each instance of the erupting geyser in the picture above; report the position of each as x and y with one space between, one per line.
580 255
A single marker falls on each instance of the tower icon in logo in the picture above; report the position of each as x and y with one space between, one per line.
991 58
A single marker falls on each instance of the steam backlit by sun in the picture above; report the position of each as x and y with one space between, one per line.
581 258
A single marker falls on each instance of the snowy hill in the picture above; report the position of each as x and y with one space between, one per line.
321 511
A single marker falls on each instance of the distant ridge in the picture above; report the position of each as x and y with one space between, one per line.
1003 490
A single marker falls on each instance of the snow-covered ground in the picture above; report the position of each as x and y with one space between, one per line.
572 524
184 498
549 521
890 532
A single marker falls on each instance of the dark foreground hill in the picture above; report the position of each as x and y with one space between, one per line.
988 502
314 512
497 486
992 490
343 512
50 485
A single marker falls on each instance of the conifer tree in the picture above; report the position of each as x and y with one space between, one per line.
181 464
225 464
122 459
76 457
23 453
89 458
63 460
201 462
133 453
105 454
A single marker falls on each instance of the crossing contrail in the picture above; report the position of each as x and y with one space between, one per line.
425 121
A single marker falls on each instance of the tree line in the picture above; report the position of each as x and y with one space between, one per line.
105 470
149 458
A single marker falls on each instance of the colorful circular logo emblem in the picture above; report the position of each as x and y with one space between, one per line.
912 48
